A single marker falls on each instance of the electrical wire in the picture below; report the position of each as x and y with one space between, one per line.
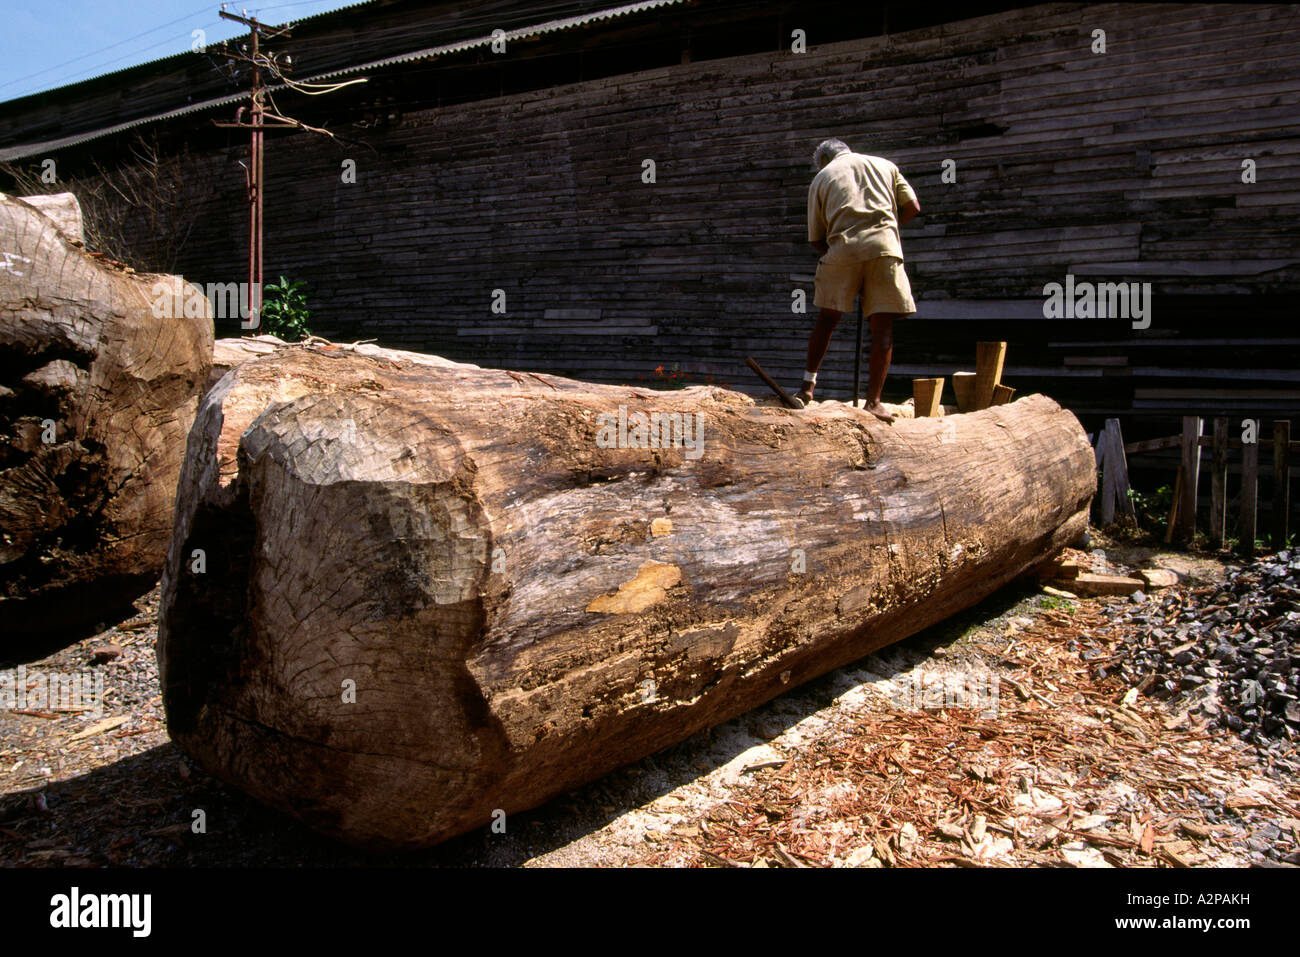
84 56
320 88
303 3
101 69
475 21
98 68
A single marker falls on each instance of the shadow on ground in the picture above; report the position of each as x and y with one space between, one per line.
25 647
139 810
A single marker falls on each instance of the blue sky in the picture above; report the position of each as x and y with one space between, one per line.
50 43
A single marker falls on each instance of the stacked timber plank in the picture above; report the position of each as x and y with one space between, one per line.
1071 575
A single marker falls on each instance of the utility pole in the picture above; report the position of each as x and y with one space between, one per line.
259 120
256 124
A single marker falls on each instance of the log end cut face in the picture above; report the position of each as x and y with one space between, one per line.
97 394
272 554
403 593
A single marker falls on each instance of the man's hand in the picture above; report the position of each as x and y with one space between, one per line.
909 212
821 247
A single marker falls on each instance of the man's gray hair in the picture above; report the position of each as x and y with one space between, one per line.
827 150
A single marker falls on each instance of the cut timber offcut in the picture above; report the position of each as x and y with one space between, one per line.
433 591
1155 578
1089 584
989 358
926 394
963 387
97 395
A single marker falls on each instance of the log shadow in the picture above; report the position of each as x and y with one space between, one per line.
43 627
591 807
139 811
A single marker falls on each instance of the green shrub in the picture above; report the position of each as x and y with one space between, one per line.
1152 510
284 310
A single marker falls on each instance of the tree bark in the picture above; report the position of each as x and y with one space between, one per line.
97 395
518 608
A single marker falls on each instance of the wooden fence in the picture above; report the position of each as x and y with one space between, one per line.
1114 494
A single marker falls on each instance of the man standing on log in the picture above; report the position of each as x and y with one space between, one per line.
856 204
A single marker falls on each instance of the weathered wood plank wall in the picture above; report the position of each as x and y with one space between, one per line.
329 42
1066 160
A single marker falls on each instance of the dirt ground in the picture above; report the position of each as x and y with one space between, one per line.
984 741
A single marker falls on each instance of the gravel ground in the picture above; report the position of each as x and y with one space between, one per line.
1077 763
1235 646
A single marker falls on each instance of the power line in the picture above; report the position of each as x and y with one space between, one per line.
299 3
91 72
100 68
258 114
84 56
468 25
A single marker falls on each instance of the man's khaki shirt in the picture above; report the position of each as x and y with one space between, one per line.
853 205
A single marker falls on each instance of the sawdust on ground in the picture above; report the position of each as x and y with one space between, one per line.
897 760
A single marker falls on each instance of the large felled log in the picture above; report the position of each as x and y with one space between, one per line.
97 395
64 210
427 591
228 353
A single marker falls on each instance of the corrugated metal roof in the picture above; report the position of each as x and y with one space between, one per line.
535 30
428 53
49 146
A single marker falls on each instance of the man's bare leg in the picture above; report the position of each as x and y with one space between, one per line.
882 351
818 343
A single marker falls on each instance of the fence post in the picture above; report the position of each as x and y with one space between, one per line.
1281 481
1115 489
1249 496
1099 460
1191 467
1219 481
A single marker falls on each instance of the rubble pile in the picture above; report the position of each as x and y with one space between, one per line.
1234 646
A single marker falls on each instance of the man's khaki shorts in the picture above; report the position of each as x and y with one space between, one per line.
882 283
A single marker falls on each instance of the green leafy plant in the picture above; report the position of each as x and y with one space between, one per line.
1152 509
284 310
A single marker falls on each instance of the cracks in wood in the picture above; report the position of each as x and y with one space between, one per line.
947 539
281 734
